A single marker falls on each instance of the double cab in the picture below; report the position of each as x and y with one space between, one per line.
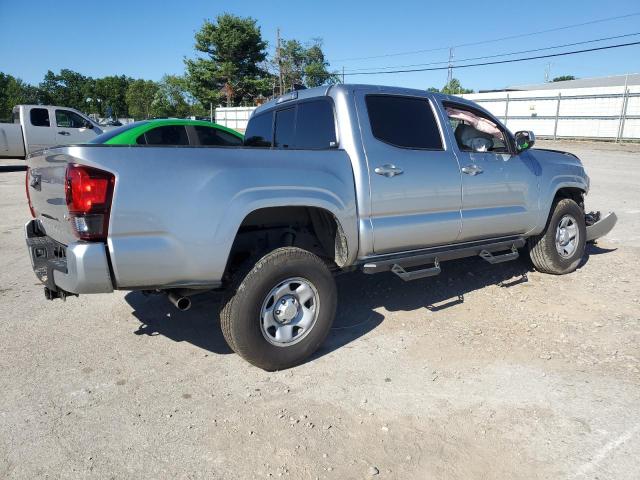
329 179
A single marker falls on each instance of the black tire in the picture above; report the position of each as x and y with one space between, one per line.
240 315
542 248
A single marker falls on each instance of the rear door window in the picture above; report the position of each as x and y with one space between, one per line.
167 135
215 136
407 122
259 131
40 117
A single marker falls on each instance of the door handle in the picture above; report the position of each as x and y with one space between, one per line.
388 170
472 169
63 133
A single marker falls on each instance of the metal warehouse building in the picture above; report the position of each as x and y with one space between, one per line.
604 107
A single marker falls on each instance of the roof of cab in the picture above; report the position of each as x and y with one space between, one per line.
331 89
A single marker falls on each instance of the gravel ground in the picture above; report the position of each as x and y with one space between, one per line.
489 372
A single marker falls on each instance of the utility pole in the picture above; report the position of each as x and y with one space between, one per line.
450 69
547 72
343 74
279 60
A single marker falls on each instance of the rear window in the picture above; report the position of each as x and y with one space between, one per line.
106 136
216 136
306 125
167 135
40 117
315 127
405 122
259 131
285 128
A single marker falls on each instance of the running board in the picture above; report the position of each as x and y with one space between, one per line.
505 257
399 263
416 274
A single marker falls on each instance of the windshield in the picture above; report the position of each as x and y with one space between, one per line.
116 131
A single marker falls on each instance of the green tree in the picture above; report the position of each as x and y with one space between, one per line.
140 96
172 99
563 78
111 92
232 51
454 87
14 91
304 65
67 89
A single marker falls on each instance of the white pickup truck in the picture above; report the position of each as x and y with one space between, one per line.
35 127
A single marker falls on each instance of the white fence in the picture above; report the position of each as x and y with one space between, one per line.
602 113
234 117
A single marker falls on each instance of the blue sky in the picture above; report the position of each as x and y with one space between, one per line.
146 39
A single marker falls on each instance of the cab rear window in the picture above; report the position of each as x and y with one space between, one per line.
307 125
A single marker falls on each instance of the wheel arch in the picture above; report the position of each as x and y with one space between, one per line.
561 188
315 228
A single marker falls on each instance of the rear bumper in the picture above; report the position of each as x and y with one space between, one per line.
601 226
75 268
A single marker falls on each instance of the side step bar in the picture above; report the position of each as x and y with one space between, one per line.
505 257
416 274
399 264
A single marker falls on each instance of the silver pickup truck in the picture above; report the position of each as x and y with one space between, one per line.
329 179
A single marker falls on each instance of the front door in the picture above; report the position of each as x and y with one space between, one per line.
414 179
72 128
500 193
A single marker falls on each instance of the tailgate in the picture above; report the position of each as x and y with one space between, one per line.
11 141
45 185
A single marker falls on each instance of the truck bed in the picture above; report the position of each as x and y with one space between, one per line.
176 210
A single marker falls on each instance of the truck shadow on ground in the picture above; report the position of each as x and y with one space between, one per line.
360 296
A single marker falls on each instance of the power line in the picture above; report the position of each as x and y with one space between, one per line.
496 55
483 42
512 60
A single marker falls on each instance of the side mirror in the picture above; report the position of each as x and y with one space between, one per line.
525 139
88 125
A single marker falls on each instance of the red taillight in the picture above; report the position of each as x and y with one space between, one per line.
88 192
26 186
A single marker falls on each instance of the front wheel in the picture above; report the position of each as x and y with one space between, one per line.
280 310
560 247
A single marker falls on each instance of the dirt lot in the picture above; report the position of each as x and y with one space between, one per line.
492 372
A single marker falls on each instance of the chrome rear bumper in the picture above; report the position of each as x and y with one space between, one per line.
71 269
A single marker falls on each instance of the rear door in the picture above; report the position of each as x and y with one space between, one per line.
414 177
72 127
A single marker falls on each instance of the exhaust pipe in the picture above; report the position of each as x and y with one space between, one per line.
180 302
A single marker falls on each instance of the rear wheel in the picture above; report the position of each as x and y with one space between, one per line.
280 310
560 247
